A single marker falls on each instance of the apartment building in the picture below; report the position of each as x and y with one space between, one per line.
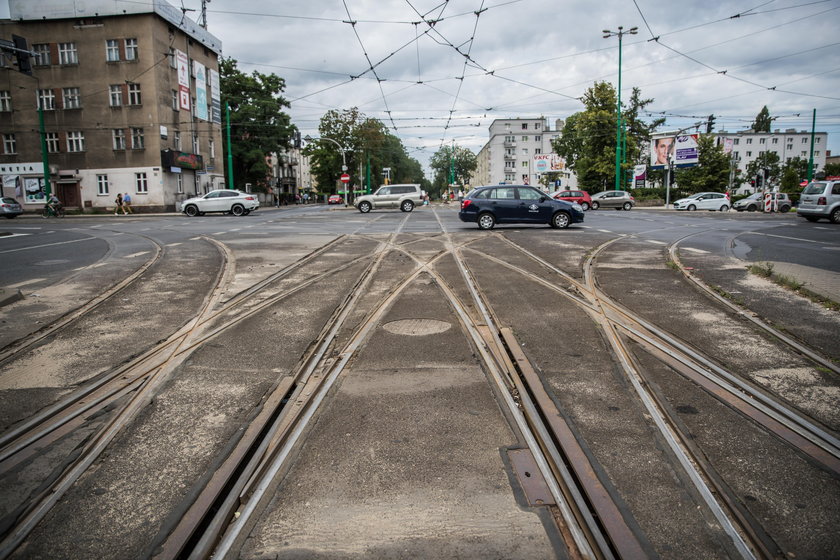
519 152
129 94
745 146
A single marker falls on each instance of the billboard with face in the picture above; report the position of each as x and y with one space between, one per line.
680 150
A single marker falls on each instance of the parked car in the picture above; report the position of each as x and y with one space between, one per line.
235 202
579 197
820 199
756 202
704 201
10 207
405 197
613 199
509 204
335 199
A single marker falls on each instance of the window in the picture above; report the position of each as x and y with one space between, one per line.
179 182
775 140
42 55
195 144
816 140
172 62
213 149
524 138
749 154
536 126
817 153
141 183
537 138
112 50
76 141
9 144
762 140
804 140
53 146
116 95
118 136
67 53
524 126
5 101
174 100
538 151
176 140
134 97
525 151
46 99
790 146
510 164
137 139
749 140
102 184
737 141
131 50
72 98
804 153
524 164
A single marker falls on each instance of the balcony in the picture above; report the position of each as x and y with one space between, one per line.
510 144
510 157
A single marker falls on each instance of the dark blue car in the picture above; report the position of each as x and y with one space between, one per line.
510 204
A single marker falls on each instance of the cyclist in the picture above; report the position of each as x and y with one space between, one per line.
53 207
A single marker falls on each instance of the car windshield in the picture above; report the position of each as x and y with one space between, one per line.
9 201
814 188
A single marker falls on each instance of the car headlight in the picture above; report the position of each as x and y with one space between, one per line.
577 207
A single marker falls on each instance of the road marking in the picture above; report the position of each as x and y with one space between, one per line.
27 282
237 229
656 242
131 256
46 245
824 228
173 244
585 227
38 229
693 250
604 231
786 237
219 233
14 235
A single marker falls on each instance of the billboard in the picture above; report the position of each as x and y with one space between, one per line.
200 91
215 97
680 150
183 64
548 163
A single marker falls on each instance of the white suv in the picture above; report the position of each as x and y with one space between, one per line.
404 197
820 199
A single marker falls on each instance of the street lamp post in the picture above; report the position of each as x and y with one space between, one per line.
607 34
343 161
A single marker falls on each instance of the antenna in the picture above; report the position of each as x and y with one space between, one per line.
203 20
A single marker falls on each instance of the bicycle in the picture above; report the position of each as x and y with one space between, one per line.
57 211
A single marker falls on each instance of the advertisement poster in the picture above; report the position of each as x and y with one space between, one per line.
679 150
547 163
215 97
686 150
200 91
34 189
639 176
183 64
661 150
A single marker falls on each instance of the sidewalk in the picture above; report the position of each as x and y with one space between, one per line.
821 282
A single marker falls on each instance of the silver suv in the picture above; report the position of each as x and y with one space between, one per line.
820 199
404 197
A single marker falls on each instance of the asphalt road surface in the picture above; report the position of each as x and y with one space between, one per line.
314 382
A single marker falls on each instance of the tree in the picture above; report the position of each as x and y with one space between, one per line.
445 159
587 141
831 169
712 171
258 124
762 121
766 163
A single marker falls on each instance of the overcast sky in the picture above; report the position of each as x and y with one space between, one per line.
532 58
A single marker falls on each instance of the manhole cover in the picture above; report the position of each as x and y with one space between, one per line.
417 327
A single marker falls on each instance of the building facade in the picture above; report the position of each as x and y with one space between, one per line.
746 146
519 152
130 101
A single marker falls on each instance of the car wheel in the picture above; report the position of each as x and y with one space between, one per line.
560 220
784 209
752 208
596 205
691 208
585 206
835 216
364 207
407 206
812 218
628 205
486 221
724 208
237 210
191 210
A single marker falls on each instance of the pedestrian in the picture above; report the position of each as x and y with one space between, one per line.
119 202
127 204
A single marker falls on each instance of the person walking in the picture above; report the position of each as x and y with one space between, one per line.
127 204
119 202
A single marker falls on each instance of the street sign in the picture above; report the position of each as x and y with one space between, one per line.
345 178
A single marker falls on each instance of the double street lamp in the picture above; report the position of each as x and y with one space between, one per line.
607 34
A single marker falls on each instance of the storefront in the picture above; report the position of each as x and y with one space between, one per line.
25 182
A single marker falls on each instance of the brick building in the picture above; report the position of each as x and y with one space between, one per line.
130 101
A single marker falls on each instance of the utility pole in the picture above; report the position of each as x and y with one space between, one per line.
229 149
607 34
811 159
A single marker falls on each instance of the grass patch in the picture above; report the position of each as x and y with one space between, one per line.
764 270
672 264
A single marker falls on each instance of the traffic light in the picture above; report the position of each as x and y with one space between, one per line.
759 181
710 124
22 54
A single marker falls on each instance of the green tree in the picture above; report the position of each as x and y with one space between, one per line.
258 124
831 169
768 163
587 141
794 171
762 121
712 171
462 159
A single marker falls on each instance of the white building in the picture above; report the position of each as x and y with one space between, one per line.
747 145
509 154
